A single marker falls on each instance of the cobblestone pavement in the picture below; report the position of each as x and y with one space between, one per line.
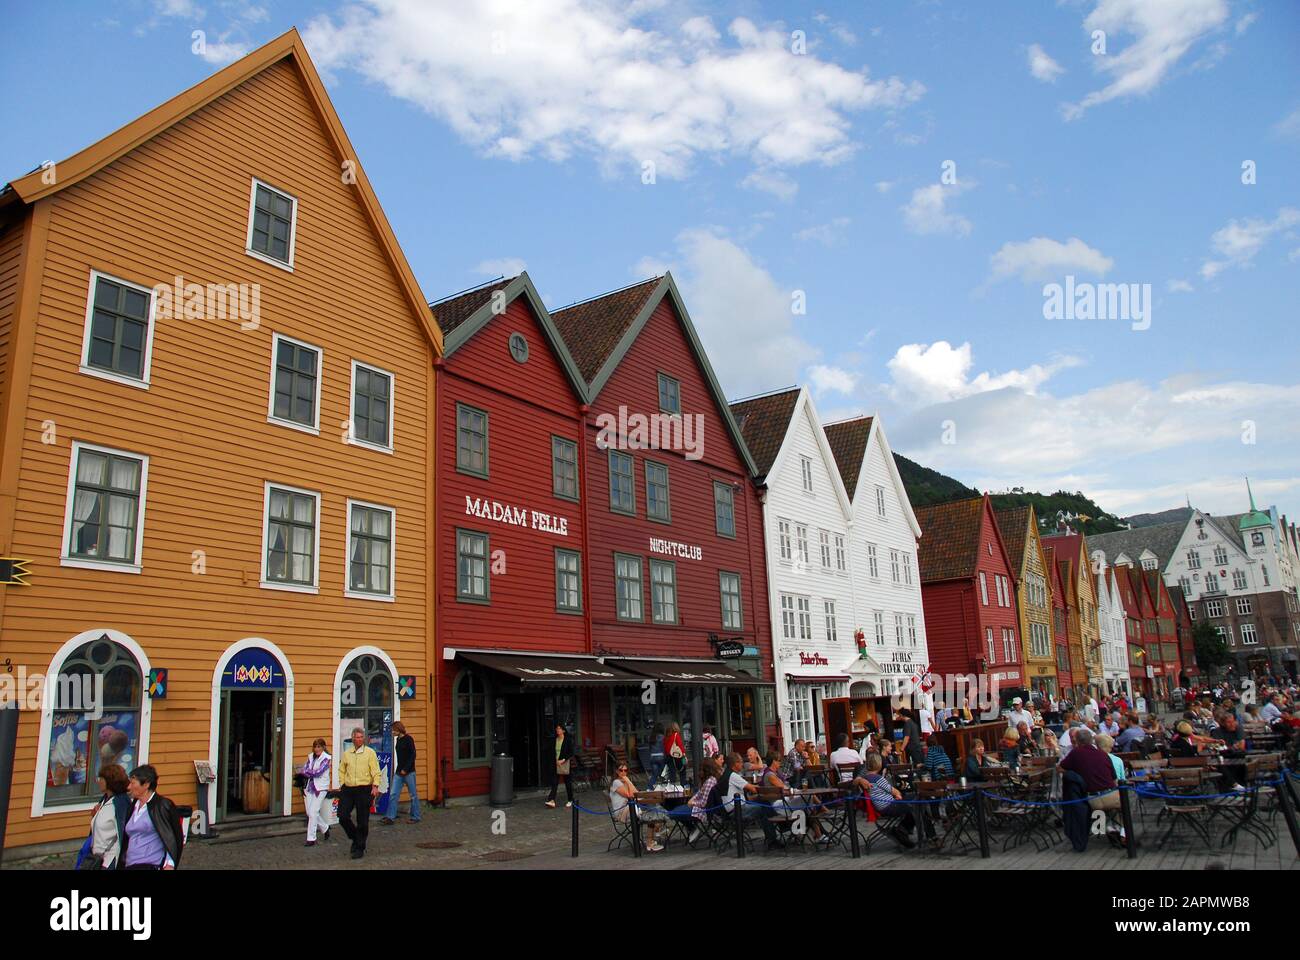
539 838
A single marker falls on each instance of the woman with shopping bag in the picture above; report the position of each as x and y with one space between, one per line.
560 772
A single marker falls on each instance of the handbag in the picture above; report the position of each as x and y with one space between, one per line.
676 751
562 767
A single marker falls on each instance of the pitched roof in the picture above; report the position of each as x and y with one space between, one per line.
950 541
1161 539
456 309
1013 524
848 440
594 328
35 186
763 422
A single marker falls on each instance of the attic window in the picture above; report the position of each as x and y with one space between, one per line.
272 216
670 394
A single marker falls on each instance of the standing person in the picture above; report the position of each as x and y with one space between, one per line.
560 772
911 747
107 820
674 754
1019 714
404 773
316 791
710 743
152 837
359 783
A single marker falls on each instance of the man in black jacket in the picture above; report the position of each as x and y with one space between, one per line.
403 773
151 837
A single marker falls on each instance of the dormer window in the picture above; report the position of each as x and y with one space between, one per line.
670 395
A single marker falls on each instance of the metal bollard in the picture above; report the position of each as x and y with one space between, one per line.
982 822
740 825
575 831
1286 796
855 848
636 829
1126 818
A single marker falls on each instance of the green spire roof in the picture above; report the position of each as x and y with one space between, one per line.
1256 518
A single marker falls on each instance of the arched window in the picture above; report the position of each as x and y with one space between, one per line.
100 677
863 688
471 720
365 695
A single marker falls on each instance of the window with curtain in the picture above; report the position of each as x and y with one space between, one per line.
105 506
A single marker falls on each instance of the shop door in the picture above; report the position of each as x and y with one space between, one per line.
250 753
837 718
522 736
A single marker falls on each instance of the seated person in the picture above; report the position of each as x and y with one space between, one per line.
1095 768
938 762
621 792
886 751
1106 744
844 755
696 810
738 786
1130 735
1231 735
1182 744
1009 747
884 797
792 767
772 778
976 761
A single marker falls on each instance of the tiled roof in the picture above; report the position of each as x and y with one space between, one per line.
454 311
950 539
763 422
1013 524
1161 539
593 328
848 440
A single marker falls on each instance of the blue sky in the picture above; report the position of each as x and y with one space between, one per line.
799 150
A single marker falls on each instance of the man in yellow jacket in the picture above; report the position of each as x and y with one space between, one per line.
359 780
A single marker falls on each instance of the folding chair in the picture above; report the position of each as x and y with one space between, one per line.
1192 811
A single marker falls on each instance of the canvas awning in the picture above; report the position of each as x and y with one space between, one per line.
551 670
704 673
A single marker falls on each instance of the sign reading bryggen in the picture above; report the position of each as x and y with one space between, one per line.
499 512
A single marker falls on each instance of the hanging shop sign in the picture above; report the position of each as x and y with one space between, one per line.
670 548
158 683
728 649
516 516
14 572
253 668
406 687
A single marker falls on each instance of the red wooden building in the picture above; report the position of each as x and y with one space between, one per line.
1189 672
510 532
1163 635
1136 608
676 573
968 592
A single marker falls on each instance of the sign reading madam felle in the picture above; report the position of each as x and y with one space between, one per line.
486 509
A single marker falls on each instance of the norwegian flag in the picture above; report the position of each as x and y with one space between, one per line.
922 680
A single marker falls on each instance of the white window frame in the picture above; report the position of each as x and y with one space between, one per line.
87 563
907 568
984 589
988 635
1244 607
895 571
878 616
806 473
352 412
784 539
803 612
1239 581
314 429
266 524
801 544
898 629
391 595
293 225
789 629
801 718
911 629
873 562
880 501
832 624
1249 637
841 556
85 367
824 548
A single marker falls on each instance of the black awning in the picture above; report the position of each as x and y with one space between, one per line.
541 668
704 673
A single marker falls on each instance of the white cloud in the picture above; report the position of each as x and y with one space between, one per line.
1244 23
771 181
1042 258
844 34
926 212
884 186
1178 286
827 379
939 372
222 51
503 267
1289 126
721 281
1163 31
588 76
1237 243
827 234
1042 66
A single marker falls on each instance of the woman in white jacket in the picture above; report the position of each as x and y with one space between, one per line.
315 792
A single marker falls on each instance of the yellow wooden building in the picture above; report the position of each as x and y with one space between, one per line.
1019 527
215 414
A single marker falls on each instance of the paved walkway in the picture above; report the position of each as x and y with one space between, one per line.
527 835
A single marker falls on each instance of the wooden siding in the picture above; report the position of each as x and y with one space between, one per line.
179 205
11 249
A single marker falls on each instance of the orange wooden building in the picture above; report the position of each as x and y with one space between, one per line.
215 419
